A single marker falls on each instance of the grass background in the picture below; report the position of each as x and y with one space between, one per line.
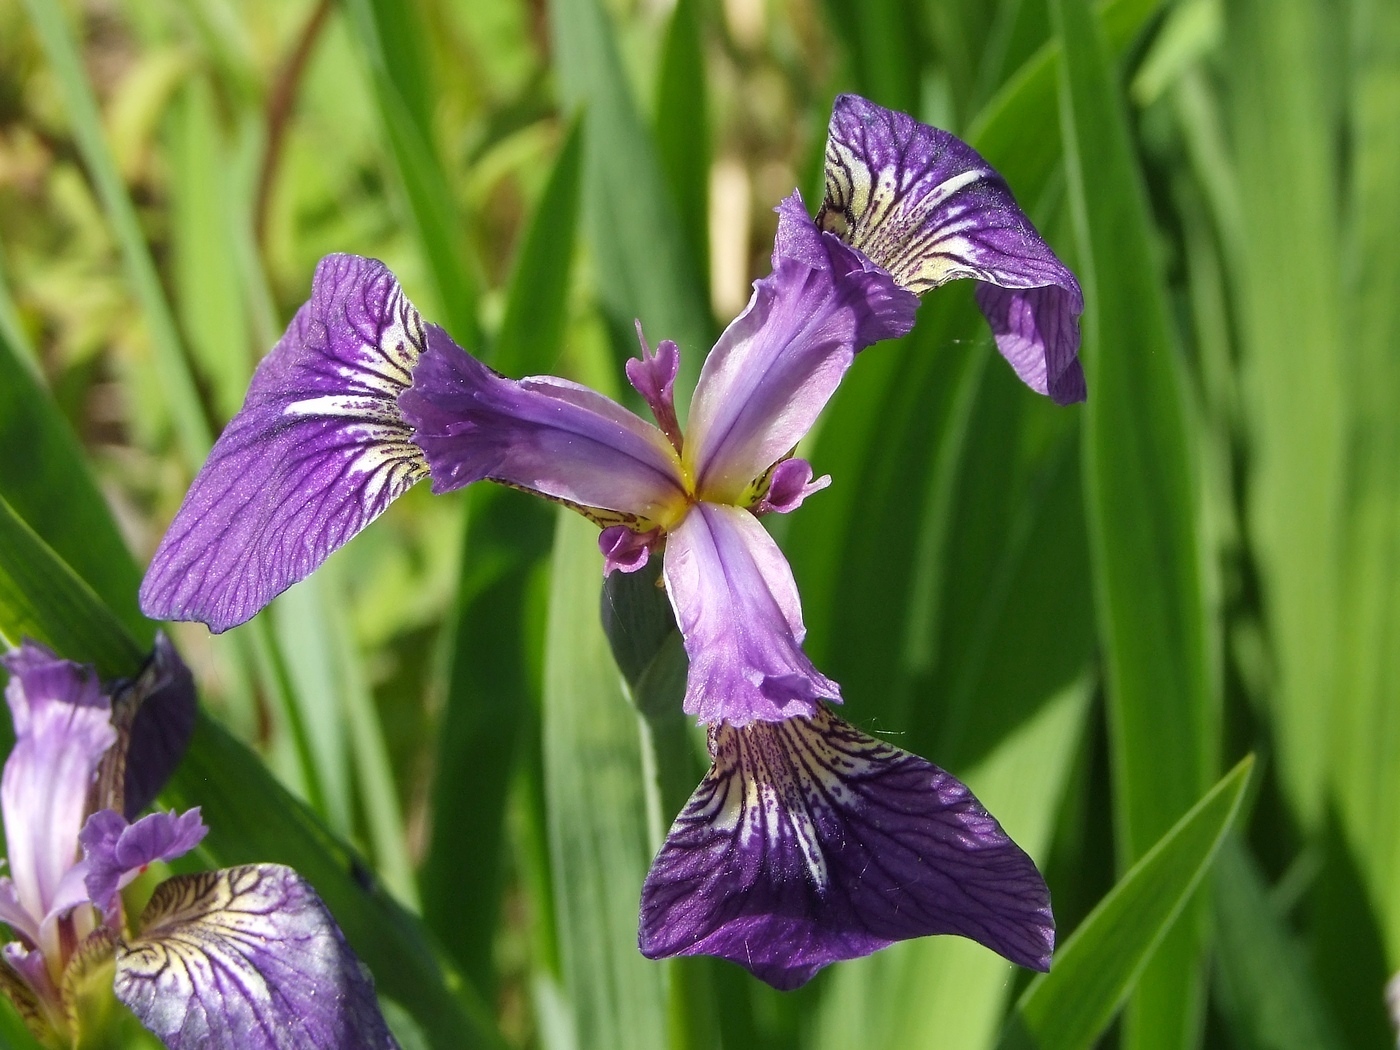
1090 614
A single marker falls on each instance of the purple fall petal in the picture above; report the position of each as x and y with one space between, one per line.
62 722
116 852
776 366
162 728
247 958
810 842
543 434
318 450
925 206
739 614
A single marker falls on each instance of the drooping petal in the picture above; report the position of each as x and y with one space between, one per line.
925 206
116 852
318 451
63 727
244 959
741 619
543 434
809 842
776 366
162 699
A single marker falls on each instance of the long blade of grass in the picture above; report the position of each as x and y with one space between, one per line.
1094 971
643 267
182 398
1142 492
600 841
682 129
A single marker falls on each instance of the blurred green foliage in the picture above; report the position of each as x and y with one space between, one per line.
1089 614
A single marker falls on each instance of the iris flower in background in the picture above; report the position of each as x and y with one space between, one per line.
244 957
808 841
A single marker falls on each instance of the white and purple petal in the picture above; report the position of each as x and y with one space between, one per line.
925 206
810 842
116 852
776 366
62 722
740 617
247 958
318 450
543 434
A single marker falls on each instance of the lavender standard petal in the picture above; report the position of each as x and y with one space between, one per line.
810 842
116 852
925 206
318 451
245 959
62 722
543 434
741 619
776 366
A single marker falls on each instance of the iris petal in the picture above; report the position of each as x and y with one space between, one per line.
542 434
318 451
244 959
925 206
738 611
811 842
116 852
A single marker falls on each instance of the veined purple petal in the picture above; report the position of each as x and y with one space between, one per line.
318 451
245 959
739 614
776 366
63 727
116 852
809 842
925 206
540 433
162 727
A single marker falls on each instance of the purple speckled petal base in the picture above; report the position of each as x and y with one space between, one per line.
925 206
811 842
740 616
247 958
318 451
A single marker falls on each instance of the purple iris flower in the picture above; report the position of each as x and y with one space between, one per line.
808 841
244 957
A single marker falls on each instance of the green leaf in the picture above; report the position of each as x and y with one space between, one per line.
1143 500
182 398
683 129
643 267
600 839
537 303
392 42
1262 972
1093 972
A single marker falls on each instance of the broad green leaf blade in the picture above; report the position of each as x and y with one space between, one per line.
1280 81
947 991
1093 972
391 41
47 483
600 840
1143 500
182 398
42 598
537 303
682 126
1262 973
251 817
643 268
